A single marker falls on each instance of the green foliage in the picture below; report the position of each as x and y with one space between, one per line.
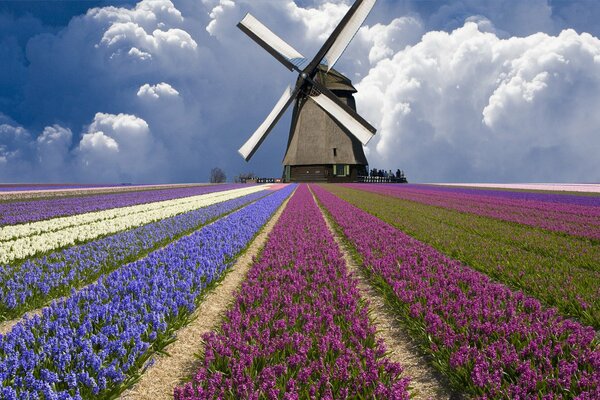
560 270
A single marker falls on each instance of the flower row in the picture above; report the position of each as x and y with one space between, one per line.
560 270
38 280
80 202
533 192
93 344
569 218
8 187
298 328
12 232
491 341
48 235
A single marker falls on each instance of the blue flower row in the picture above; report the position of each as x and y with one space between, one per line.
31 285
94 342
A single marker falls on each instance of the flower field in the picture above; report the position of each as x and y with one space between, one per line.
297 328
561 270
497 290
489 340
556 213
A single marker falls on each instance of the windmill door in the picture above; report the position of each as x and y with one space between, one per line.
308 173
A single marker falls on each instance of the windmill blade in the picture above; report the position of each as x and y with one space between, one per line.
342 35
269 41
347 34
357 126
252 144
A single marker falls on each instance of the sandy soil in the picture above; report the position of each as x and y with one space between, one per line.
168 371
426 382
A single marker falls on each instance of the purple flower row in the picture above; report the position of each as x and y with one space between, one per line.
573 219
493 342
36 281
27 187
93 344
565 198
298 328
18 212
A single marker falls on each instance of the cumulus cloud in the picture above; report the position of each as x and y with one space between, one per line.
97 145
518 18
468 105
166 90
155 92
118 148
53 147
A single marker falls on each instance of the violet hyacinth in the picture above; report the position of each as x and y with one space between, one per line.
489 340
569 216
298 328
18 212
33 283
91 345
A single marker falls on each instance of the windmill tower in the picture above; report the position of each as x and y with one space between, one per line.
326 135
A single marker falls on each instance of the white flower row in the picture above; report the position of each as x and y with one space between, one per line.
44 236
12 232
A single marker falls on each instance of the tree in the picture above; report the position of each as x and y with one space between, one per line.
217 175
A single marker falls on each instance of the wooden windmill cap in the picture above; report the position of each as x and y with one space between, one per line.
334 80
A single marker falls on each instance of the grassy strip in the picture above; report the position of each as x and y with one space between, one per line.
560 270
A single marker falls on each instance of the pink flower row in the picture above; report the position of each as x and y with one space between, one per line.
574 219
492 341
298 328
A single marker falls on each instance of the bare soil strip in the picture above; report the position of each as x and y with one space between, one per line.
426 382
6 326
168 371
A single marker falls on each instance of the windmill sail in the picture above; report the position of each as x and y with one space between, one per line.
276 46
252 144
347 33
362 132
337 42
326 131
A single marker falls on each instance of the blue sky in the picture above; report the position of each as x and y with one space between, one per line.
159 90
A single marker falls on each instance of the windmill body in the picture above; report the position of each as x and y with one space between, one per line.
327 135
319 147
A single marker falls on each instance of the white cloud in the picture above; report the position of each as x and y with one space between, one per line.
320 21
469 105
119 147
154 92
122 126
181 87
98 144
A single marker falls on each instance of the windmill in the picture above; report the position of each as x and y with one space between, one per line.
326 135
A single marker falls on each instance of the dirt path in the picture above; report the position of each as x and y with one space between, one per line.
426 383
6 326
167 372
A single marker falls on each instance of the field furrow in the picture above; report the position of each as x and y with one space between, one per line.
95 343
425 381
560 270
18 242
489 340
180 358
27 211
574 219
37 281
298 327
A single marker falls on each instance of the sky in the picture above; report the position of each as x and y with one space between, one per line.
165 90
